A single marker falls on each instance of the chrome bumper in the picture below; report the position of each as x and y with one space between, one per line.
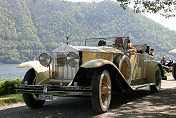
55 90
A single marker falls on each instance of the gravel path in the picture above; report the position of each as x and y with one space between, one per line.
138 104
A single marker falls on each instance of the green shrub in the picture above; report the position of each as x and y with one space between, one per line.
7 86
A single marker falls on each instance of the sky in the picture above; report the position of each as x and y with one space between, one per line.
169 23
81 0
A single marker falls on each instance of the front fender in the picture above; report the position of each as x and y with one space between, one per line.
42 73
34 64
100 63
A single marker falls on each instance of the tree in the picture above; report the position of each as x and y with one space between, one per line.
164 7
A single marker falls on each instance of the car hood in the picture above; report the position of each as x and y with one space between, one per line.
69 48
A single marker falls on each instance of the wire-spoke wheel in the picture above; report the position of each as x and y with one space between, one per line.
31 100
174 72
101 91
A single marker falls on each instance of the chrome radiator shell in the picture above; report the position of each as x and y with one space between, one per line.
61 70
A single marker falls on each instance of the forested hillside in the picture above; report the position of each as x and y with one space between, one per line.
18 35
27 28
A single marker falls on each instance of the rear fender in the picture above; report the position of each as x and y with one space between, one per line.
151 71
42 73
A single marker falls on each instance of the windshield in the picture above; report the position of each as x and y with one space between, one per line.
118 42
94 41
109 41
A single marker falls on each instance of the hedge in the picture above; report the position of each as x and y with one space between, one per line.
7 86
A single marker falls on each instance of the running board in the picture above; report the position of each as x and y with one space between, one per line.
141 86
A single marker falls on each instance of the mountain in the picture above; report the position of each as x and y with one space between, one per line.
18 35
28 28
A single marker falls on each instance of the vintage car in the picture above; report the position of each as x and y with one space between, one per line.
174 70
170 67
92 70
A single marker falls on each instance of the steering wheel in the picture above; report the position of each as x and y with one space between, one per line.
119 46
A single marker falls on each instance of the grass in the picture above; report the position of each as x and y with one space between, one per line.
168 74
10 98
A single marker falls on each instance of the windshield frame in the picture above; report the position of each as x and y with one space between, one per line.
125 41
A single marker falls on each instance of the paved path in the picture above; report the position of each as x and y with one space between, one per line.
138 104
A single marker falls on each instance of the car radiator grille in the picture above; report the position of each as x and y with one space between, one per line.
61 70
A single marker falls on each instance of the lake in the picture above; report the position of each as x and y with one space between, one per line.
10 71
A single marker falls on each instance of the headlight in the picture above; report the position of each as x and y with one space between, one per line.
72 59
44 59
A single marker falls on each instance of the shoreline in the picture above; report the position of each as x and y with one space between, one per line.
10 71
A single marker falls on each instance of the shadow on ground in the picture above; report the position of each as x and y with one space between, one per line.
140 103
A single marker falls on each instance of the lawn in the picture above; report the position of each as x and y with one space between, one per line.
10 98
168 74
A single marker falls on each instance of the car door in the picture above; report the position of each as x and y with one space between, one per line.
137 67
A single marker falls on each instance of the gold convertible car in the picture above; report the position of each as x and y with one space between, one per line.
96 69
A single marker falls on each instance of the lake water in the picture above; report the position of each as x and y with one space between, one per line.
10 71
